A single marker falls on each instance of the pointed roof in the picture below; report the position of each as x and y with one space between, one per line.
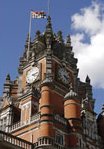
71 94
8 77
87 79
59 37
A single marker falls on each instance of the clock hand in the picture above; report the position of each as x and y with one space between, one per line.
65 77
35 74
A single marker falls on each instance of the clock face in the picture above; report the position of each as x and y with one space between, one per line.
64 75
32 75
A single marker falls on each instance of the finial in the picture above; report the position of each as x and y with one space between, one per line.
88 103
71 94
37 37
103 108
68 41
7 86
38 33
88 87
28 46
85 102
60 38
8 77
49 33
49 25
27 40
87 79
86 98
71 87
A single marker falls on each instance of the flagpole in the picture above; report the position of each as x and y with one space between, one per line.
29 36
48 7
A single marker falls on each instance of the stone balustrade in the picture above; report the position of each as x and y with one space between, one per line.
48 143
44 142
35 118
15 141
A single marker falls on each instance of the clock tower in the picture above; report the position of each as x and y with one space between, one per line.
48 68
45 105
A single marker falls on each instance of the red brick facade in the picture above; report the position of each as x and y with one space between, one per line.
55 108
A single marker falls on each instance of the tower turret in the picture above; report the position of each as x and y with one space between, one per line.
46 110
72 108
59 37
68 41
7 86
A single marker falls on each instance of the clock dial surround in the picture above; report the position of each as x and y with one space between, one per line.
63 75
32 75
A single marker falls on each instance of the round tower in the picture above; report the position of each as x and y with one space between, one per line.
46 109
72 112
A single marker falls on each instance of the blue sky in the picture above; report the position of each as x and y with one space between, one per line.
65 14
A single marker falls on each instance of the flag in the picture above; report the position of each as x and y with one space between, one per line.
38 14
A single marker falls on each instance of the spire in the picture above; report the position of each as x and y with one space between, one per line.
27 46
68 41
60 38
37 34
27 40
37 37
8 77
49 33
49 25
87 79
7 86
7 80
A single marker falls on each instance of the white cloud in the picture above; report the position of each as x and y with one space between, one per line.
88 19
90 23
